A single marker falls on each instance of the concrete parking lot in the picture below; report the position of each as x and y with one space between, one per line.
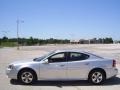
8 55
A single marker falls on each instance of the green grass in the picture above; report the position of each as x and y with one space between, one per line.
8 44
1 47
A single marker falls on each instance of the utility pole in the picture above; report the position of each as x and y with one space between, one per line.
18 21
88 41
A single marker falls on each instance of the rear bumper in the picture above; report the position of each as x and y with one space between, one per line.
111 72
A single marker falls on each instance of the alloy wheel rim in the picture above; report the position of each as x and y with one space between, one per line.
27 77
97 77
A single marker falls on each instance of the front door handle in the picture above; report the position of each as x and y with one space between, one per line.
62 65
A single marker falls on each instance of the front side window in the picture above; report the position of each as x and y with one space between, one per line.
77 56
59 57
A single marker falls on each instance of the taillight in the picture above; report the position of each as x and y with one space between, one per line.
114 63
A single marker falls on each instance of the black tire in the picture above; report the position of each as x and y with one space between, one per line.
27 77
97 77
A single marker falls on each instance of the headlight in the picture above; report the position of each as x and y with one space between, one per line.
11 66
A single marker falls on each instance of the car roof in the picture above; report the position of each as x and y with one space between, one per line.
71 50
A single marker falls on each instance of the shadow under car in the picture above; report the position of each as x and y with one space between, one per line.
111 81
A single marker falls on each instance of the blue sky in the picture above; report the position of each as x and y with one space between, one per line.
63 19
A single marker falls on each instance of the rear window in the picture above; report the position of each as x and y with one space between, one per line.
74 56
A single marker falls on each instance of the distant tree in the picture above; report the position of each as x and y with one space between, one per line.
0 41
108 40
35 41
30 41
12 40
100 40
4 39
41 41
22 41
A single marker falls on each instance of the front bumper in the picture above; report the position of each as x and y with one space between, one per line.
11 73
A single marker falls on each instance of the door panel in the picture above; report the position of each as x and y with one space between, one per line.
55 69
77 65
77 70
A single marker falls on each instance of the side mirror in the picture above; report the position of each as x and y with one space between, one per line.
45 61
35 59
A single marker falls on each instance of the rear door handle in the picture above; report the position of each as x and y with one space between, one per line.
87 63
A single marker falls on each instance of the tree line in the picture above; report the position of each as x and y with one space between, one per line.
5 41
31 41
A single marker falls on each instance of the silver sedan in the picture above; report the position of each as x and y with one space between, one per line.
63 65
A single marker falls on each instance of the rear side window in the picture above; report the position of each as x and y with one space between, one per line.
74 56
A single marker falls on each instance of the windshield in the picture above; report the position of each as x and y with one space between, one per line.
42 57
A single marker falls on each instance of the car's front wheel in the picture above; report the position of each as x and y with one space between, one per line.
27 77
97 77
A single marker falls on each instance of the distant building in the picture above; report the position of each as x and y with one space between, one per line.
83 41
116 42
74 41
93 41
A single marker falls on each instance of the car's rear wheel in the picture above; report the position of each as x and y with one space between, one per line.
27 77
97 77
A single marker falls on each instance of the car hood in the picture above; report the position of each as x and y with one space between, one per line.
25 61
